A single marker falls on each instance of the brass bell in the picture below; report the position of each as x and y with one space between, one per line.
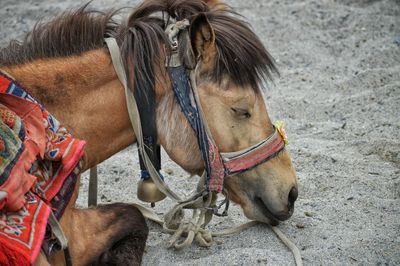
147 191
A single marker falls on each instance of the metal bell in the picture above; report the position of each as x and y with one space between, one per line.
147 191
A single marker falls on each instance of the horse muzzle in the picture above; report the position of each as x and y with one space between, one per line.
275 216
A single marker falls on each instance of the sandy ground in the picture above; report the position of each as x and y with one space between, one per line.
339 93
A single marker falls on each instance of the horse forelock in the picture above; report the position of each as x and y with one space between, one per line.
241 55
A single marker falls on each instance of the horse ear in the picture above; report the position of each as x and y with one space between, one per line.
202 37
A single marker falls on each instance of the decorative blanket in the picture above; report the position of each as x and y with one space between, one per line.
39 164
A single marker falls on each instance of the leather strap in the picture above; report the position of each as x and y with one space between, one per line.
61 239
93 181
185 89
57 231
135 118
146 103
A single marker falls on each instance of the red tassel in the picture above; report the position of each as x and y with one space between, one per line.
11 257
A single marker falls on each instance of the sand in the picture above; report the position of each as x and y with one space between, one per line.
339 93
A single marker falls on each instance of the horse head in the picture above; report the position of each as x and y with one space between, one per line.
230 65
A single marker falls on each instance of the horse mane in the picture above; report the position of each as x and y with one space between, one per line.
71 33
241 55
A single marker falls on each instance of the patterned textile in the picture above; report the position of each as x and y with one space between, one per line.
12 135
39 164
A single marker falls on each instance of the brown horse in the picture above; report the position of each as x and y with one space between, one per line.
66 66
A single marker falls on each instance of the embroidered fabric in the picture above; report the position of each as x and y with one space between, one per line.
38 173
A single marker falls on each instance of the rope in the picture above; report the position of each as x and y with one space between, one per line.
293 248
285 240
193 230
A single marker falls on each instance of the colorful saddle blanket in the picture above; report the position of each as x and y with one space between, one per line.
39 165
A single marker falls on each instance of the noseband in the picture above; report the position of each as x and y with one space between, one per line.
217 165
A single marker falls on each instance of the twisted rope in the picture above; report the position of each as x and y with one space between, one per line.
193 230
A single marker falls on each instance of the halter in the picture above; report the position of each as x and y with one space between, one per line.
217 165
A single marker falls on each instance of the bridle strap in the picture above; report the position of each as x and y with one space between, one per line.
237 162
185 90
217 173
135 118
146 102
60 236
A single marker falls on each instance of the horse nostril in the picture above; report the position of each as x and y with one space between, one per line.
293 195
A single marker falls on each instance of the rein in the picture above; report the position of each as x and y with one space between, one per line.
217 165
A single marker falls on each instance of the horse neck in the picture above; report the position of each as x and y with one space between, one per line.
84 94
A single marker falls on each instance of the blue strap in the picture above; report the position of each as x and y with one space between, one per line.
182 89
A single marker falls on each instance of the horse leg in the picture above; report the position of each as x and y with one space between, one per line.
113 234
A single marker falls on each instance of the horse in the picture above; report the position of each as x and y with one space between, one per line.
66 66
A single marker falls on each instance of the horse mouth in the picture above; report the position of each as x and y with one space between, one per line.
274 218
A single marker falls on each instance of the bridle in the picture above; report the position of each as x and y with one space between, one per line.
217 165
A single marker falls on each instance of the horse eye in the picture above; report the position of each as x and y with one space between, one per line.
241 112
